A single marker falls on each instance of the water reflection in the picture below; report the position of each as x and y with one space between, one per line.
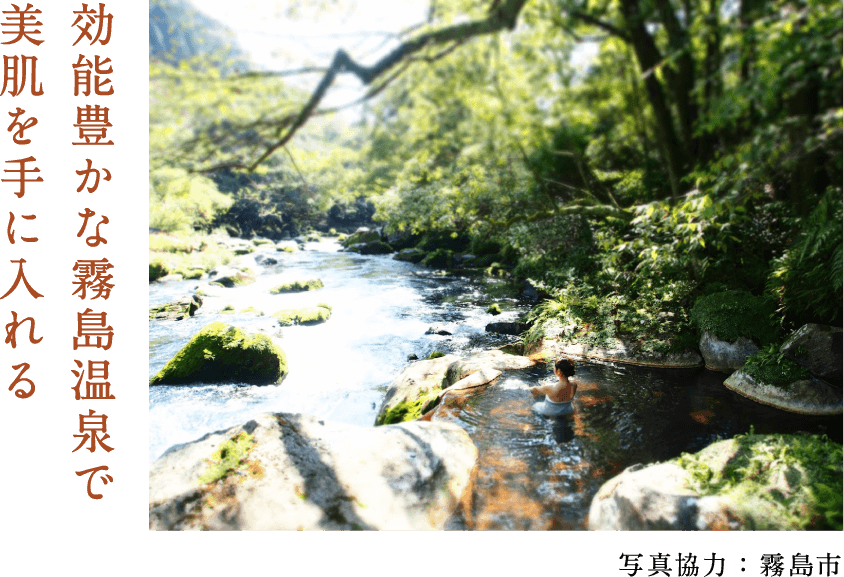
541 473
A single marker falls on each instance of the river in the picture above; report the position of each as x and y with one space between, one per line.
533 473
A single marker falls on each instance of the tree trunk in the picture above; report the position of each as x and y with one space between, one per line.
681 80
649 58
713 86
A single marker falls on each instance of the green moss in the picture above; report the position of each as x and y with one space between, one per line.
776 481
360 237
252 310
192 274
303 316
260 241
494 309
227 309
244 250
733 314
408 410
227 458
215 283
157 269
341 238
286 248
223 353
440 258
375 247
298 286
410 255
325 306
769 366
435 355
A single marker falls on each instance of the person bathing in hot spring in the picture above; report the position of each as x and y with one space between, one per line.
559 395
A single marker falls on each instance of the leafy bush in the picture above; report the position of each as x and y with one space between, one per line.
807 279
178 200
733 314
769 366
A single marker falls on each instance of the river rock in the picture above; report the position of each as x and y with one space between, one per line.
240 278
416 386
362 236
169 278
223 353
627 353
494 360
774 491
410 255
806 397
724 356
819 349
176 310
374 247
437 330
303 473
266 260
421 385
505 328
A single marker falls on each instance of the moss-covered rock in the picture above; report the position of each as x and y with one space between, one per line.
409 410
176 310
756 482
229 457
410 255
772 481
375 247
223 353
303 316
362 236
804 396
733 314
494 309
157 269
240 278
298 286
440 258
261 241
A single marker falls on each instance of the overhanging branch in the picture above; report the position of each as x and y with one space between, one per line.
503 16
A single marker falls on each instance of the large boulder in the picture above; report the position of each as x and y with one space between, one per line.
422 384
288 471
374 247
724 356
819 349
507 328
806 397
751 482
414 391
410 255
362 236
632 354
176 310
223 353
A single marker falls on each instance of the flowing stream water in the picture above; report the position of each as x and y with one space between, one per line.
533 473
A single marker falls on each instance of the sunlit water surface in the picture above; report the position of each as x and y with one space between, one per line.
534 473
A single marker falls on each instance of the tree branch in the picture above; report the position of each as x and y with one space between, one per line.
503 16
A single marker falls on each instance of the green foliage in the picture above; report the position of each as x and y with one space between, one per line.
409 410
769 366
435 355
777 481
178 200
733 314
654 322
439 258
807 278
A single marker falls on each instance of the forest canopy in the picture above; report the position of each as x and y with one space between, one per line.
699 151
